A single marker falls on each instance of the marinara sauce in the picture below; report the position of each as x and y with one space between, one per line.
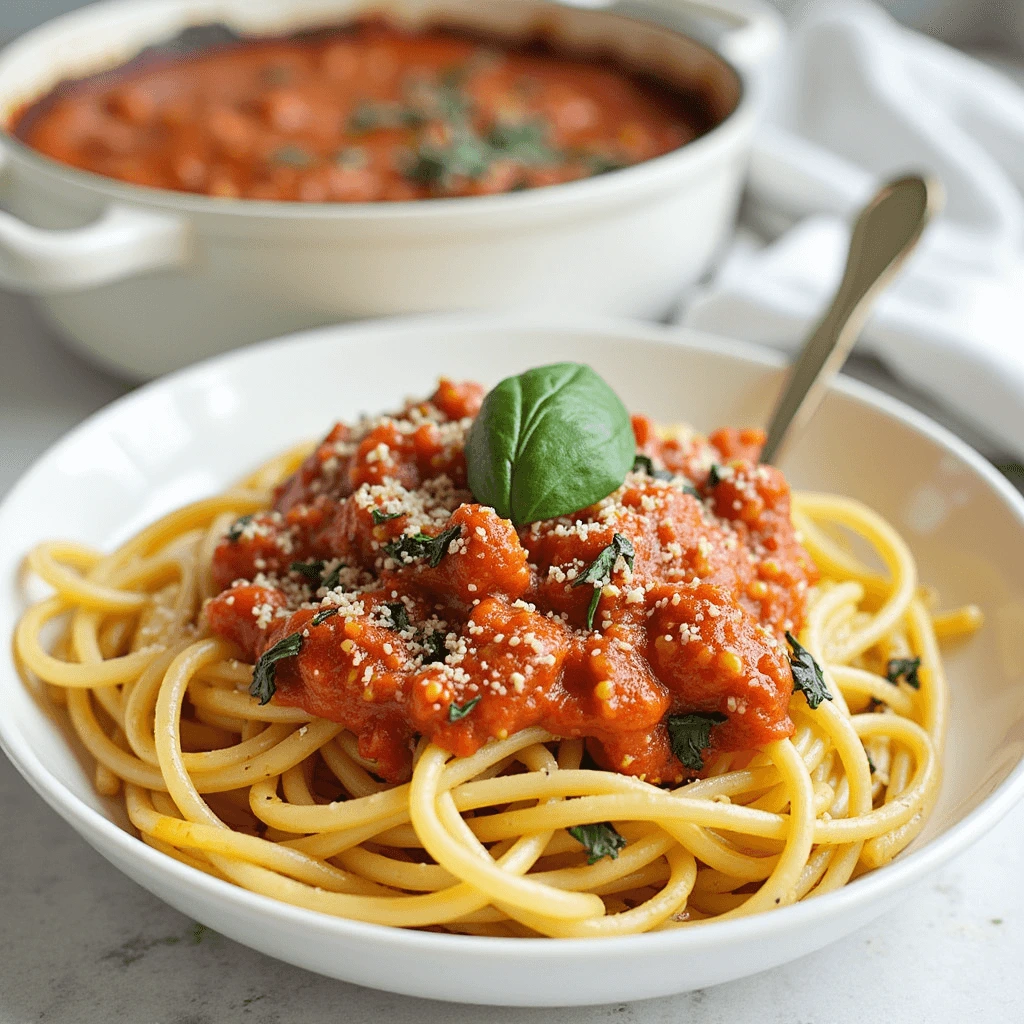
422 613
367 111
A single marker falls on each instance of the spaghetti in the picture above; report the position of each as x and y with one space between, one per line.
492 841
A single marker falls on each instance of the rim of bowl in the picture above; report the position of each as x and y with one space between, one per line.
624 180
896 875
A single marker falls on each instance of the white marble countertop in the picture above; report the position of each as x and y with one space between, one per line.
80 943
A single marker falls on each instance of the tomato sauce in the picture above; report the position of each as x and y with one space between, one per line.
367 111
481 633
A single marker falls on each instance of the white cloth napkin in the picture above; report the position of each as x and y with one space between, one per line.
861 99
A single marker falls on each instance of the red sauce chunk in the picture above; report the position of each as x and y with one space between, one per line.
423 613
367 111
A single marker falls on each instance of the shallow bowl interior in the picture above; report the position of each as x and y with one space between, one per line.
190 434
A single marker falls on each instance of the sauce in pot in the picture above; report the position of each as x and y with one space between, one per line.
368 111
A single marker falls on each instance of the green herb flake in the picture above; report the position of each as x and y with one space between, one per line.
237 528
333 578
455 713
323 615
599 163
351 158
807 675
378 516
436 647
549 442
599 572
399 615
464 157
292 156
644 464
408 547
903 669
312 571
871 764
599 840
714 476
690 736
264 673
525 142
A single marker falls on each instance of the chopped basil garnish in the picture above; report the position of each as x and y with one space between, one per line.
399 615
525 142
598 163
382 517
455 712
465 156
714 478
237 527
292 156
690 736
905 669
333 578
871 764
644 464
264 673
419 545
548 442
323 615
599 839
599 572
311 570
352 158
807 675
436 647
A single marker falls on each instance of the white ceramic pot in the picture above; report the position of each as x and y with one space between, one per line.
148 280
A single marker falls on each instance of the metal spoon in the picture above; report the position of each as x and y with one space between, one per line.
886 231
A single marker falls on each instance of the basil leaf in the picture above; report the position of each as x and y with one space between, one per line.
436 647
714 479
408 547
807 676
399 615
644 464
549 442
382 517
600 840
311 570
264 673
238 527
323 615
871 764
599 572
690 736
455 712
905 669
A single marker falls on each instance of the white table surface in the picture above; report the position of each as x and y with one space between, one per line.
80 943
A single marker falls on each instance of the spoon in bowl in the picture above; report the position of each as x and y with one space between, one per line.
883 236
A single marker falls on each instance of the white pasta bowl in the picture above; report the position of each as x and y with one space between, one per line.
190 434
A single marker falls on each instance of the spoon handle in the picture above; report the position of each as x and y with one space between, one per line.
886 231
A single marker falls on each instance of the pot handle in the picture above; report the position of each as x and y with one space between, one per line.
121 242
